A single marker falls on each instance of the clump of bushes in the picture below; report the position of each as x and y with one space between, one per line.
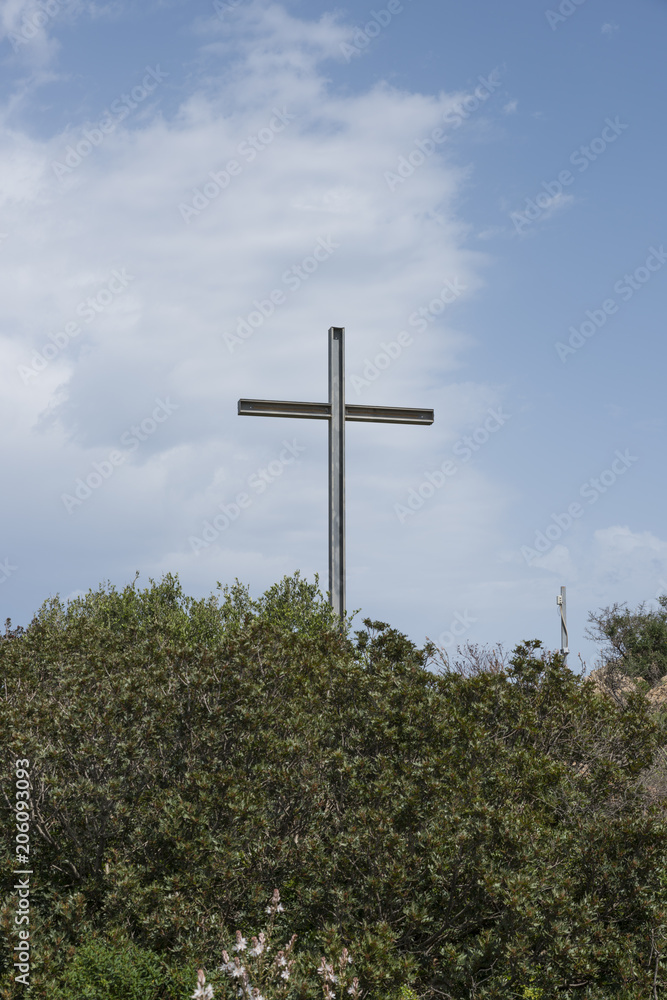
467 832
633 642
120 970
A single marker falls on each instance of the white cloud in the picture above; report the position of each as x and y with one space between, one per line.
625 555
318 177
30 28
546 208
558 561
556 204
26 26
609 29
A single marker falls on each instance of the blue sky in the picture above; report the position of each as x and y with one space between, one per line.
192 193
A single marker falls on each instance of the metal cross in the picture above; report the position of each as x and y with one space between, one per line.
336 411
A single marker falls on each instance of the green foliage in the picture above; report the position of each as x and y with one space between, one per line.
259 963
101 971
467 835
293 605
532 993
634 641
405 993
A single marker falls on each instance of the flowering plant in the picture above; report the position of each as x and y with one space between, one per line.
261 978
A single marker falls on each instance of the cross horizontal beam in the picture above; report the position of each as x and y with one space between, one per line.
322 411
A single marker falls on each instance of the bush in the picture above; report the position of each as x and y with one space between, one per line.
634 642
405 993
470 833
121 971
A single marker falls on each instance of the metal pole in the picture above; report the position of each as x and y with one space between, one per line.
562 605
337 469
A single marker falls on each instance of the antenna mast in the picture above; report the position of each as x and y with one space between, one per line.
562 607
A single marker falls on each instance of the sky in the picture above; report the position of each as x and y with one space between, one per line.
192 193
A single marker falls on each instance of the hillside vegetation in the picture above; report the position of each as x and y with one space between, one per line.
482 829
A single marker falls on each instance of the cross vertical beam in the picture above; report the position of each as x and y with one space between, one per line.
336 411
337 468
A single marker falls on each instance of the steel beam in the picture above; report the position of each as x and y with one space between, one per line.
322 411
283 408
389 414
337 468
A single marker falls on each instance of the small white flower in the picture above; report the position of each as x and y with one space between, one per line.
241 943
257 946
202 992
284 974
326 970
233 969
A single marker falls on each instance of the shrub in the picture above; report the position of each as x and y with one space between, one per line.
405 993
262 972
463 832
120 971
635 642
